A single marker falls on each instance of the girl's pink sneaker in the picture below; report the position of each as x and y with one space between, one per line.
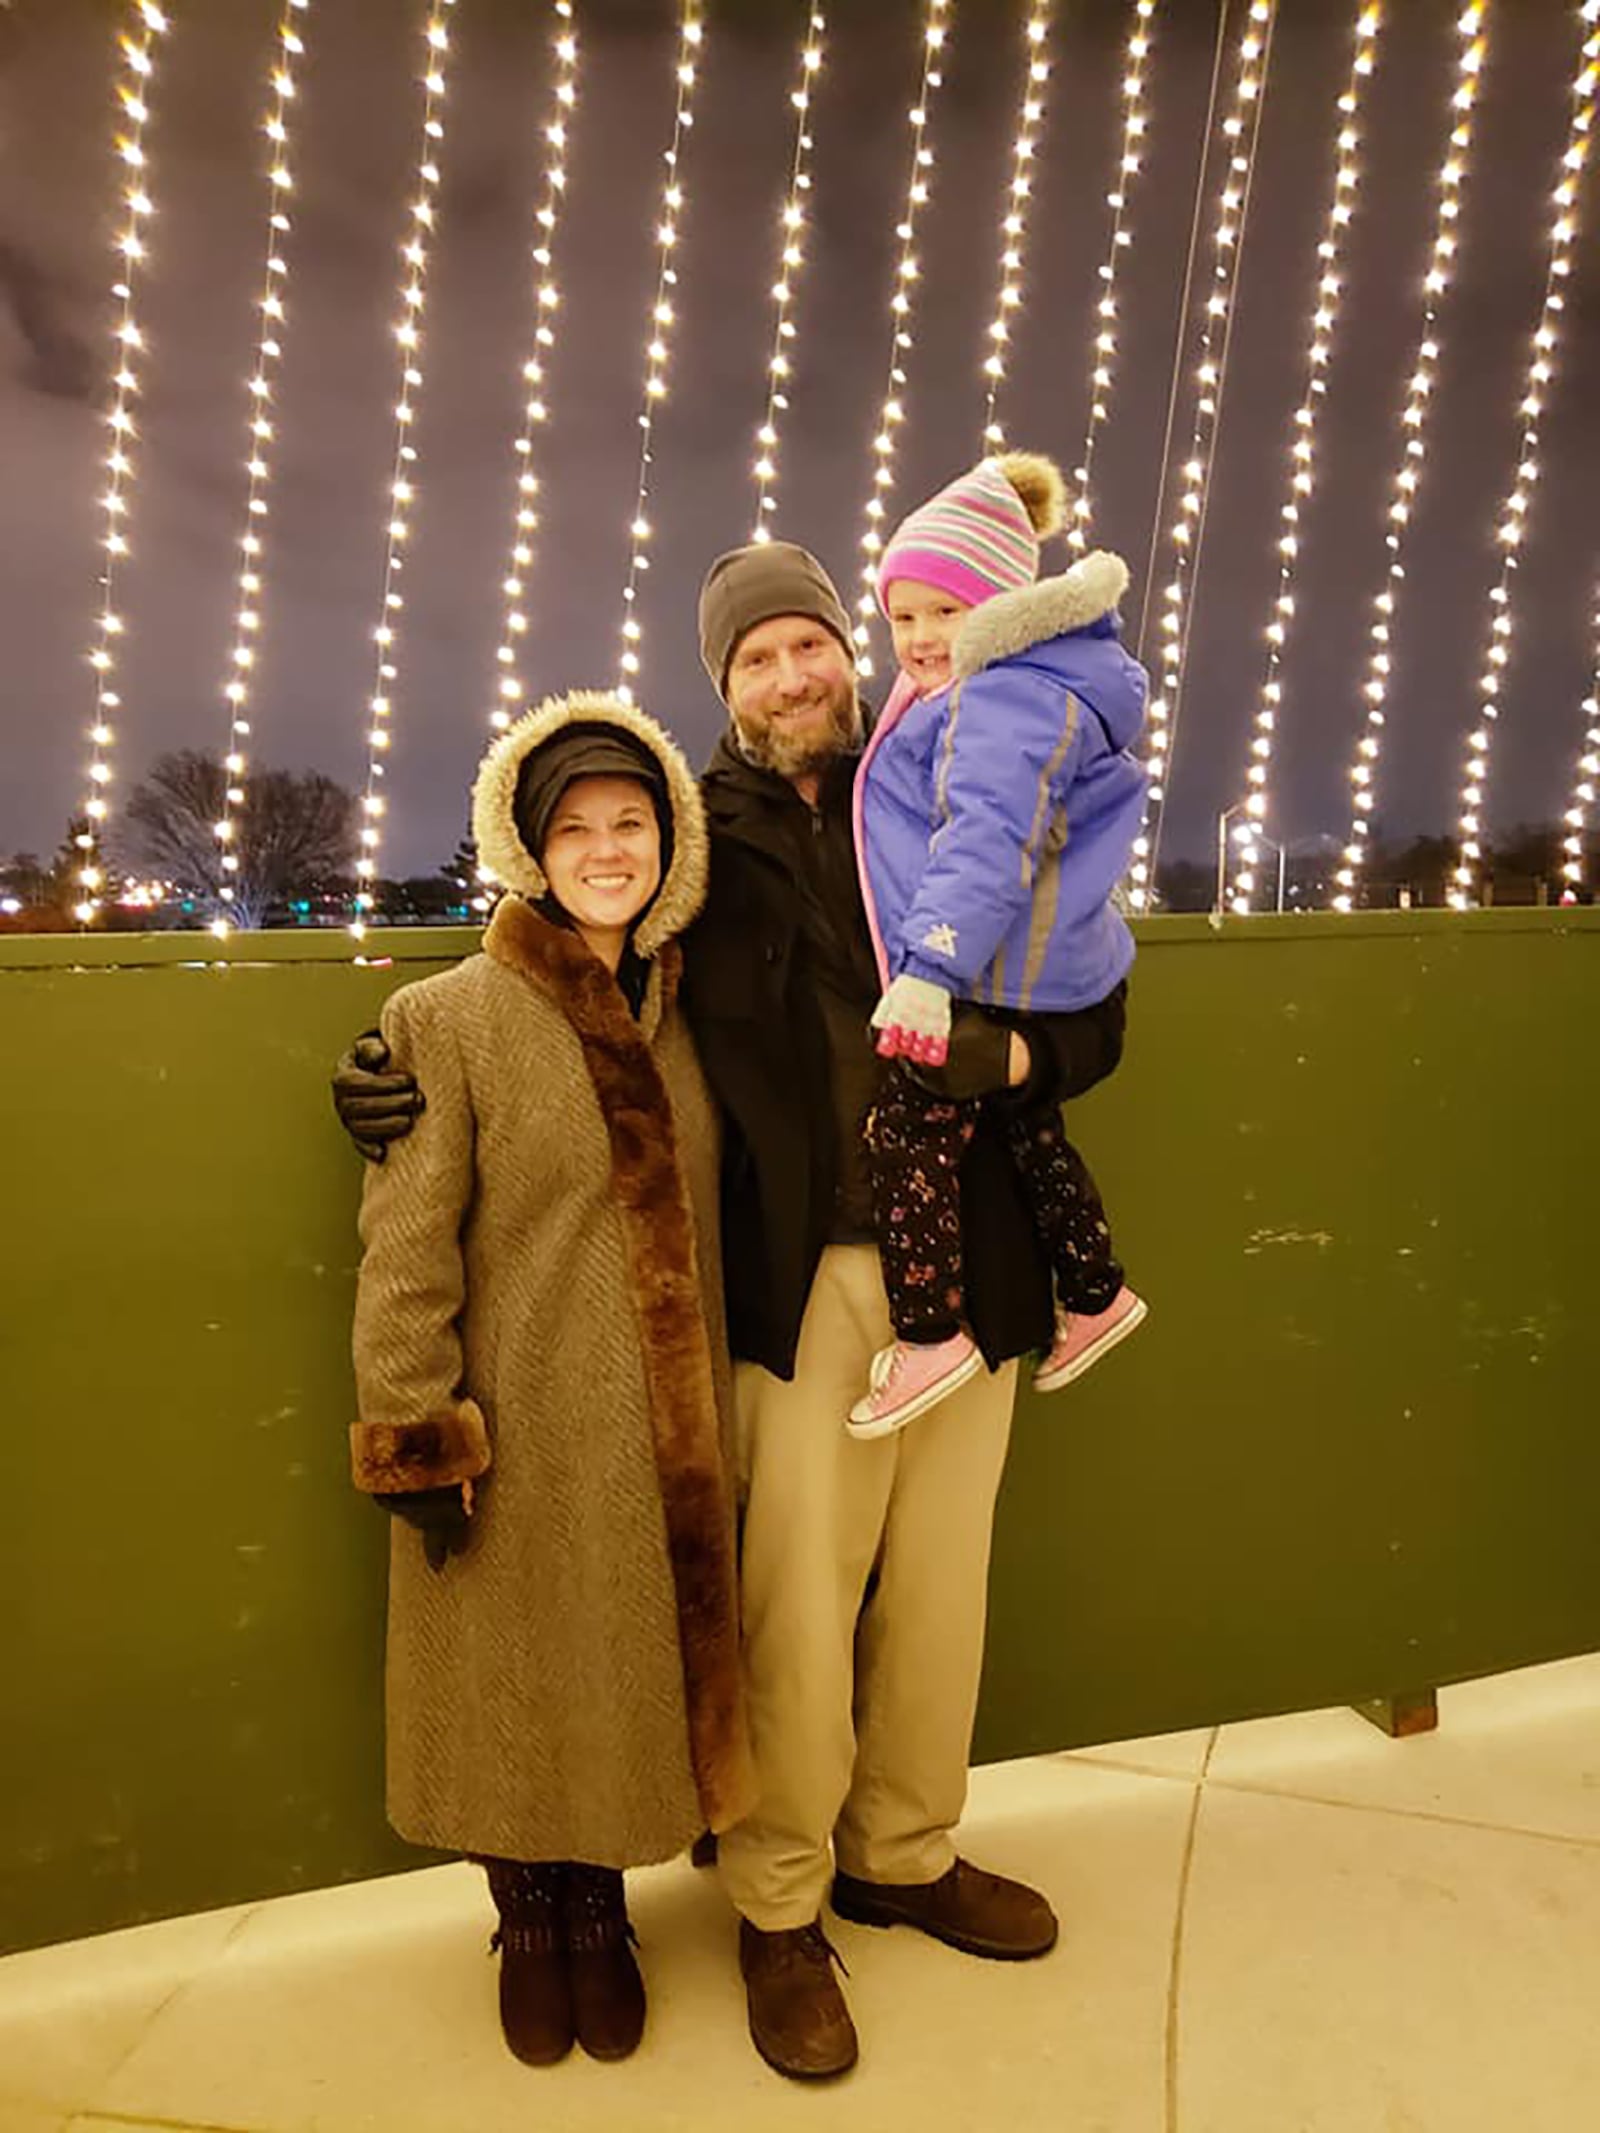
906 1380
1081 1341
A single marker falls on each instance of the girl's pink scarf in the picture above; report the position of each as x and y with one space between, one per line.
901 697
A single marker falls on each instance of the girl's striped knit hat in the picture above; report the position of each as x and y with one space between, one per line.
980 535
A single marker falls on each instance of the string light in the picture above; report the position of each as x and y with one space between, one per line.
402 489
1513 525
902 308
1240 131
1576 819
1473 50
136 46
1302 451
1102 373
791 258
1014 220
691 36
259 433
512 687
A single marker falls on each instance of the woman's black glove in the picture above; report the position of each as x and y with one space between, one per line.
376 1105
439 1515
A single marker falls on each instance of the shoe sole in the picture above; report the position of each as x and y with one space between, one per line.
611 2056
1069 1373
550 2053
544 2058
993 1951
865 1432
803 2073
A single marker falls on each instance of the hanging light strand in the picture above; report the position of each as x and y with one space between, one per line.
1473 46
791 258
1302 452
236 689
136 46
1513 524
1240 130
902 308
663 317
511 690
420 221
1575 822
1014 219
1102 374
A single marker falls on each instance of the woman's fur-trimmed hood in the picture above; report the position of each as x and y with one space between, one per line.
1015 621
501 849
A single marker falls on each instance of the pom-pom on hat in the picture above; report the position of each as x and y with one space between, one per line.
980 535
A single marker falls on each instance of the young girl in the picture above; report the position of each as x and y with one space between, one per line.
996 808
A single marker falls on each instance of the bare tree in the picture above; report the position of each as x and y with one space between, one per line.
293 831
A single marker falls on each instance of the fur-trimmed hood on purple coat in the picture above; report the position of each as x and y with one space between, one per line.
995 819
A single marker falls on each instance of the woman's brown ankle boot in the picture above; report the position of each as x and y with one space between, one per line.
536 2008
607 1990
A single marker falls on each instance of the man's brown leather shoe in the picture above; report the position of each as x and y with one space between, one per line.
979 1913
798 2020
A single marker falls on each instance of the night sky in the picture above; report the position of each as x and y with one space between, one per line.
354 151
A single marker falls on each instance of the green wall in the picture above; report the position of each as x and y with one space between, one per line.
1353 1164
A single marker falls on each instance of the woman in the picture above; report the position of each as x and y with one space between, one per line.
543 1380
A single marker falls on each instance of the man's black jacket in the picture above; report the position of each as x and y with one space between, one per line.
779 985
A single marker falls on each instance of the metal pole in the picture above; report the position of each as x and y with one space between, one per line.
1282 864
1222 857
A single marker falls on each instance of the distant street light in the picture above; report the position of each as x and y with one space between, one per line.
1239 833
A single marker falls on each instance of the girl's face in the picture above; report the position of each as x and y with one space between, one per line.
602 853
924 622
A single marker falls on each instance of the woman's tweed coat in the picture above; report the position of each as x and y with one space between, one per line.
540 1311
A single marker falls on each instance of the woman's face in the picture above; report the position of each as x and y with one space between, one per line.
602 852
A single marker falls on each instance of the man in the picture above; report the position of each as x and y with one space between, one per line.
864 1565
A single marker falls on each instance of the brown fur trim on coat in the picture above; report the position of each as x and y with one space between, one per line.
388 1458
675 1347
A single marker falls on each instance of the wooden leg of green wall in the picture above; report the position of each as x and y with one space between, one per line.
1401 1716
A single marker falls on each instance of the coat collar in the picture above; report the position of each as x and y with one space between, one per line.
733 785
1013 622
562 964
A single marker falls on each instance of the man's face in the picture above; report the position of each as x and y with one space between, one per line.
792 692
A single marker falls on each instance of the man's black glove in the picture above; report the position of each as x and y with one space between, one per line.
978 1062
439 1515
375 1104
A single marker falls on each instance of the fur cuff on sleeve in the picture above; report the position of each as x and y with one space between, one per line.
389 1457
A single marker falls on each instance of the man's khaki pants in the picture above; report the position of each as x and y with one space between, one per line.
861 1714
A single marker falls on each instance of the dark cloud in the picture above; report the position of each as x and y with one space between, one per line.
354 152
56 358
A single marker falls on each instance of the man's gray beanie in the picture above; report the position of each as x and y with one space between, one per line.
752 585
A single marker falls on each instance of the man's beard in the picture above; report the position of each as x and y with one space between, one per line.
792 755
